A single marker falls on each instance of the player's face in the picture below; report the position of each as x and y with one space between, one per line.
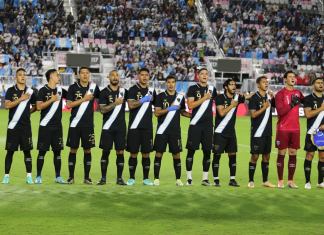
56 77
143 78
264 84
203 76
171 85
84 75
21 77
114 78
319 85
291 79
231 88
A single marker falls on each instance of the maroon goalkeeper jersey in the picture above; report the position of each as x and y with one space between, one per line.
288 116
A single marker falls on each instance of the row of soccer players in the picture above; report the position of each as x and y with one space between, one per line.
169 105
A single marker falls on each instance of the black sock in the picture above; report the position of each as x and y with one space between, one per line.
28 161
120 165
189 159
206 161
232 165
40 162
307 169
157 167
57 162
146 162
320 167
177 168
215 164
251 171
104 164
72 160
8 161
265 171
87 165
132 163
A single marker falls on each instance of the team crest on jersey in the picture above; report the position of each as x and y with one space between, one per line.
198 94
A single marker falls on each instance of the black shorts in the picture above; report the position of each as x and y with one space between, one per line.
227 144
19 137
50 137
140 140
201 133
110 137
309 146
86 134
173 140
260 145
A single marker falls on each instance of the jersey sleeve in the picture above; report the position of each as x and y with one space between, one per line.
102 97
70 93
158 101
8 95
281 107
64 93
40 95
183 104
219 100
33 98
307 102
132 94
241 99
190 93
253 105
97 93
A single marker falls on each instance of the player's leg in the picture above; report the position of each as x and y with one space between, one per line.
265 170
28 165
252 166
177 168
231 150
106 143
160 143
310 149
57 160
292 167
8 162
146 137
157 167
218 149
73 141
12 144
207 145
320 168
175 147
282 140
26 145
88 142
133 144
120 143
40 163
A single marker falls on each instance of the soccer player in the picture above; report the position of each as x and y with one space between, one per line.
21 102
261 130
140 129
50 133
112 106
80 98
225 135
287 102
200 101
168 107
314 112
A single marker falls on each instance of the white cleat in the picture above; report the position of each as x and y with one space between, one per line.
308 185
321 185
156 182
179 183
251 184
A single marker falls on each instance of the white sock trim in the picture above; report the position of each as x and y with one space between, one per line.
205 175
189 175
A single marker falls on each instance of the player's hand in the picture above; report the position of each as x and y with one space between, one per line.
207 96
322 107
119 101
234 103
294 100
173 108
54 97
321 127
270 93
87 97
24 96
146 98
266 104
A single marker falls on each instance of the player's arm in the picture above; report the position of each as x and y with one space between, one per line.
107 108
71 104
223 111
11 104
281 107
185 113
33 108
158 111
257 113
40 105
192 104
133 104
309 113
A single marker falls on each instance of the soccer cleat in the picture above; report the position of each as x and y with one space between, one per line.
308 185
321 185
233 183
281 184
156 182
148 182
87 181
59 180
5 179
205 183
268 184
70 180
292 185
189 182
101 182
29 180
179 183
38 180
120 181
131 182
217 183
251 184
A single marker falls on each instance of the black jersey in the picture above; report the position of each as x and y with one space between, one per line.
163 101
45 94
107 97
77 92
228 126
197 92
256 103
12 94
313 102
136 92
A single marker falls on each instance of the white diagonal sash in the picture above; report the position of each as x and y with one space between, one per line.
82 107
141 111
169 116
201 109
53 109
20 109
227 118
316 123
116 111
264 122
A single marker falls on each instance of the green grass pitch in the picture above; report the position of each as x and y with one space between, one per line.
167 209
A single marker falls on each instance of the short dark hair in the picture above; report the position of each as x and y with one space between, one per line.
202 69
20 69
170 77
317 78
258 80
48 74
288 72
227 82
144 70
84 67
